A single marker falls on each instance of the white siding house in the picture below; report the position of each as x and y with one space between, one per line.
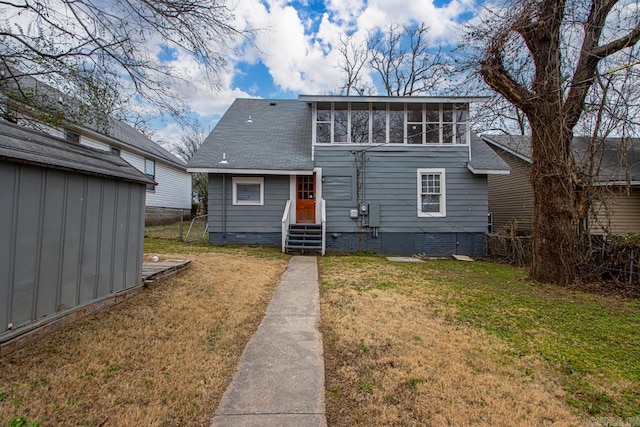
173 190
171 196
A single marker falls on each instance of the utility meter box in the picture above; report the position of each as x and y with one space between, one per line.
374 215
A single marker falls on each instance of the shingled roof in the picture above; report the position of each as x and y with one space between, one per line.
127 137
617 159
259 134
56 103
23 145
484 159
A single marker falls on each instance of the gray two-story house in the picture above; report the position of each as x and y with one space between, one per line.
392 175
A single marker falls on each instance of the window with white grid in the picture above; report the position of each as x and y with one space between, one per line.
431 193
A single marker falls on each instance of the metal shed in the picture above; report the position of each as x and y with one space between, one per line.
71 231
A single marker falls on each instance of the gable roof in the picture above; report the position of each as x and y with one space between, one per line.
112 131
618 160
258 135
23 145
123 136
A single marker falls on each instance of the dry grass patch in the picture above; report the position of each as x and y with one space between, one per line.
163 358
394 357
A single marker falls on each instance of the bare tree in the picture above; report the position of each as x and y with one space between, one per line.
87 49
353 57
404 60
566 43
192 138
498 115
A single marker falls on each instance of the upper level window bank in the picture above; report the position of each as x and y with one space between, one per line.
390 123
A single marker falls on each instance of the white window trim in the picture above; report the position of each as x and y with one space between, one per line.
151 188
247 180
424 123
443 193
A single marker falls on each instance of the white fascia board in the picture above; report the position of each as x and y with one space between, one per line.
480 171
406 99
251 171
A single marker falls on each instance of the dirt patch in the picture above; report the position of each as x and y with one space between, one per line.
165 357
392 358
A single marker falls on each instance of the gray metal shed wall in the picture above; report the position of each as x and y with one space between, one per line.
247 219
391 181
65 239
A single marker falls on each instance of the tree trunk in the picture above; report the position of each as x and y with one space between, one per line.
555 233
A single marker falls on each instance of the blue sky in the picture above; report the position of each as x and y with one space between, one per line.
293 49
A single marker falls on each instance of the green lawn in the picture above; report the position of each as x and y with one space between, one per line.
592 343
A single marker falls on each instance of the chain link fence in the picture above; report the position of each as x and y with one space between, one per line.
186 228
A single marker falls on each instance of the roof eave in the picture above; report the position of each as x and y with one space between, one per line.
407 99
250 171
616 183
486 171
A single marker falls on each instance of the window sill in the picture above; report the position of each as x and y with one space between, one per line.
248 204
432 215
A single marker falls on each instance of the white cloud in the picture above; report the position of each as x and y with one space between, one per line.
168 135
298 46
295 60
345 12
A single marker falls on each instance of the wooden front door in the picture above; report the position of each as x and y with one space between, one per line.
306 199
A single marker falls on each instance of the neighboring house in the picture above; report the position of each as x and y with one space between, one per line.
170 196
71 235
616 177
393 175
166 200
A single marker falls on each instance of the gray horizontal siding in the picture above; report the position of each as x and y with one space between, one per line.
391 180
66 239
247 219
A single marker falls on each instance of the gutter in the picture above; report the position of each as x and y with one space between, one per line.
483 171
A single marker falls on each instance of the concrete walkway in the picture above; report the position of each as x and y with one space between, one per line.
280 379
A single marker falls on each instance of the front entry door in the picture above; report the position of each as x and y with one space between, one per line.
306 198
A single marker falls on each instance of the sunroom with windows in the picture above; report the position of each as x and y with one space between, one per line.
413 123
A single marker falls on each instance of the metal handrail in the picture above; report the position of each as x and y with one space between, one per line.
204 233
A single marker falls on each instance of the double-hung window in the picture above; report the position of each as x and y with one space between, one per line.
431 193
248 191
150 171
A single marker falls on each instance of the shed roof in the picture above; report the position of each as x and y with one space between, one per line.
259 135
23 145
617 160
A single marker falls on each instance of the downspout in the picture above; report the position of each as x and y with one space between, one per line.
224 207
